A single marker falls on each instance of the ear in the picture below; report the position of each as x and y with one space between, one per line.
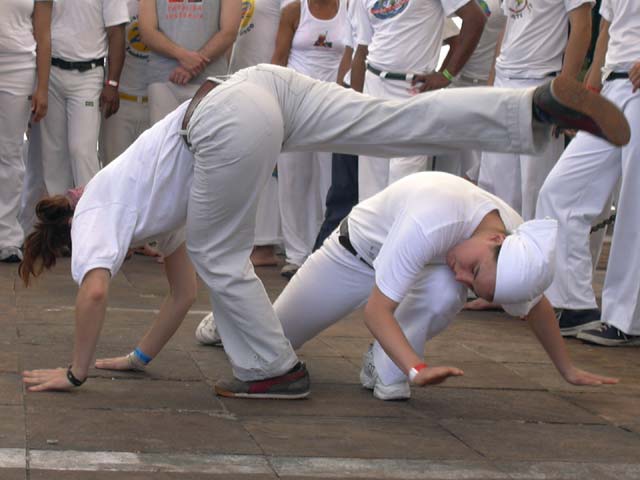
497 238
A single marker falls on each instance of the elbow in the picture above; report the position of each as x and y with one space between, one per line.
97 294
186 297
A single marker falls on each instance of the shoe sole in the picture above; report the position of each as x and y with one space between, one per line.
261 396
606 115
605 342
573 331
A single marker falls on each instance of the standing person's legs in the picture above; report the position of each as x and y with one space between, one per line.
236 134
52 132
33 188
331 284
14 116
83 123
120 130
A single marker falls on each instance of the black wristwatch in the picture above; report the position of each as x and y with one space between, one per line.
72 378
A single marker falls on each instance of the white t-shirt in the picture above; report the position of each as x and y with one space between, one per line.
415 221
78 27
257 34
133 79
17 46
140 196
535 37
318 45
624 33
403 35
479 64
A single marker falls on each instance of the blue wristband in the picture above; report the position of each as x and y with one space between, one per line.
141 355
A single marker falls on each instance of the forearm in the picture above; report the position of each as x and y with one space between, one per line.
169 319
463 48
578 43
594 77
42 33
358 68
345 65
544 324
90 313
115 58
218 45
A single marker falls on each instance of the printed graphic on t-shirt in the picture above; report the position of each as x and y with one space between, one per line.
385 9
518 8
181 9
135 47
485 8
248 9
322 41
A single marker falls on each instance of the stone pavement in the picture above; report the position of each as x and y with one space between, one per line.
510 416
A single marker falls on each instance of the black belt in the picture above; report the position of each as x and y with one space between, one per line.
343 238
80 66
616 76
202 92
390 75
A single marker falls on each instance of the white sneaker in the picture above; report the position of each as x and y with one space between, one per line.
206 333
370 380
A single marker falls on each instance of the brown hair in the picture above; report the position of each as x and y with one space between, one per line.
50 238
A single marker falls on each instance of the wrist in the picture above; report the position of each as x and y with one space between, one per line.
75 379
112 83
447 75
413 371
593 88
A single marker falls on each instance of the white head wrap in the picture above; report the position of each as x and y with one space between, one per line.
526 263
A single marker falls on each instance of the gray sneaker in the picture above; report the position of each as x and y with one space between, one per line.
207 333
293 385
370 380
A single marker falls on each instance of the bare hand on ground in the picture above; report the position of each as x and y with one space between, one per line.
576 376
43 380
114 363
435 375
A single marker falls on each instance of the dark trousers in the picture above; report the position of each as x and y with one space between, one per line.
342 195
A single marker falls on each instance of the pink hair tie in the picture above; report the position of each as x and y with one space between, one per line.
74 195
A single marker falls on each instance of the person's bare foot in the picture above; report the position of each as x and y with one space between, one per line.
481 304
264 256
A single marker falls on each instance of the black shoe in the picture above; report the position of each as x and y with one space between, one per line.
292 385
608 336
573 321
569 105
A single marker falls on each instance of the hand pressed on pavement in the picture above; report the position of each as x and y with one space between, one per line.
47 380
435 375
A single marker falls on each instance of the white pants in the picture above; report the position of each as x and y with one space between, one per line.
14 117
165 97
303 181
375 173
268 215
121 130
69 132
516 178
332 283
575 193
236 134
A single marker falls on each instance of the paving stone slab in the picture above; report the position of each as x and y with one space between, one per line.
62 475
615 408
571 470
497 405
544 441
135 394
10 389
506 352
332 370
8 359
359 438
13 474
143 431
489 375
12 431
326 400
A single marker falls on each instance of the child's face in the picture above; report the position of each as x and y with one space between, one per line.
474 263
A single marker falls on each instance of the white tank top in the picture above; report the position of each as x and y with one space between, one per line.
318 45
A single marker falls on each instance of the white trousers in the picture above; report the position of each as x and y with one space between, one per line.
120 130
303 181
69 132
332 283
236 134
517 178
575 193
375 173
14 117
165 97
268 230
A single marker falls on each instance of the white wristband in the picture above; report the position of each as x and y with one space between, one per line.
413 373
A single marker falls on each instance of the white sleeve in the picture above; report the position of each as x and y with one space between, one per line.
606 11
404 254
100 238
450 6
364 30
573 4
450 29
169 242
521 309
115 12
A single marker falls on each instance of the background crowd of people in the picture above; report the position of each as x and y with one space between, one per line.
78 74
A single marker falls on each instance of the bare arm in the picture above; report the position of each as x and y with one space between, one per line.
109 99
358 67
91 305
594 76
492 72
345 65
379 318
289 18
579 39
182 293
222 40
42 34
543 322
194 62
473 21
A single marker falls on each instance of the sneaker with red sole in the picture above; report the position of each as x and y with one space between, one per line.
566 103
293 385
